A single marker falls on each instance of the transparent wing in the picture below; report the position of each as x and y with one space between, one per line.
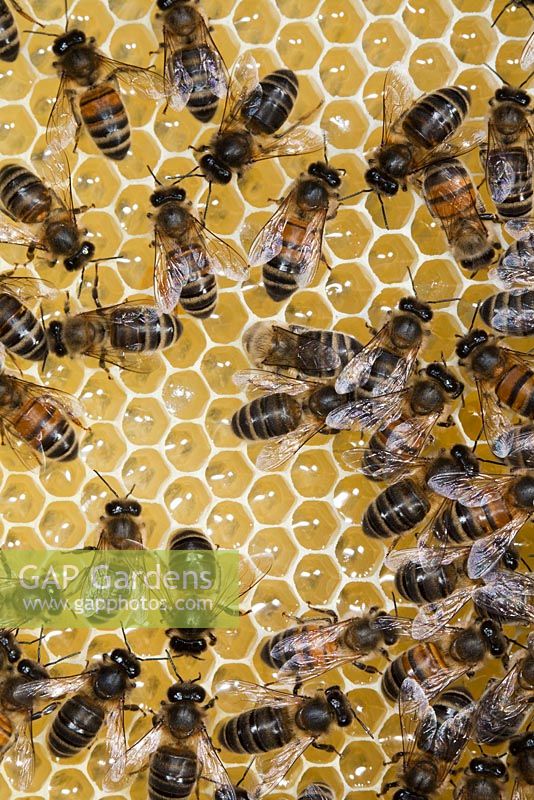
22 754
432 617
272 767
471 490
358 370
276 452
25 288
452 737
311 248
178 82
457 201
257 694
527 56
516 266
508 318
54 168
223 259
438 682
51 688
423 556
140 80
171 271
385 464
398 96
296 141
116 741
243 86
522 791
500 706
61 125
370 414
417 719
514 440
212 766
299 350
268 242
509 595
411 436
137 757
52 399
436 551
500 172
12 232
486 552
271 382
496 424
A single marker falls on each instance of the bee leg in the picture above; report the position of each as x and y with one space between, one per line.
383 652
328 748
44 711
297 687
328 612
386 787
212 638
211 703
201 149
30 252
134 707
366 668
447 423
72 100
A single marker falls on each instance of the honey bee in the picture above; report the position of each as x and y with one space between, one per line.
437 664
451 197
178 749
119 335
387 361
316 791
281 726
194 68
401 421
521 759
485 775
311 353
323 643
505 703
516 265
291 413
431 746
9 35
121 527
510 313
28 201
88 95
188 256
254 112
21 333
289 246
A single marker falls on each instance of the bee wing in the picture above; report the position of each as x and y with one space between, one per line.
436 552
411 436
141 80
461 144
268 242
520 228
22 754
486 552
244 86
256 694
432 617
116 740
438 682
271 382
516 267
388 623
508 594
527 56
223 258
457 203
137 757
276 452
54 168
311 248
500 173
12 232
51 688
171 271
521 790
296 141
61 125
370 414
496 424
359 368
178 82
504 318
473 491
423 556
397 97
212 766
452 737
53 399
20 10
386 465
272 767
417 719
26 288
512 441
500 705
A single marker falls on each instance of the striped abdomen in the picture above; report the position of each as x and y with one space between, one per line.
449 192
143 329
200 63
9 36
446 707
436 116
105 118
380 371
518 202
515 389
396 510
419 585
267 417
278 95
257 731
75 726
172 773
512 314
199 295
345 346
316 791
519 457
23 194
20 331
187 539
279 274
283 639
462 525
418 662
45 429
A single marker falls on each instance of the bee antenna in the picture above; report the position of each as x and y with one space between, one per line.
354 194
383 210
104 481
244 775
107 258
443 300
474 317
40 639
362 724
206 207
41 33
126 642
62 658
173 665
479 434
491 69
513 641
66 15
394 599
130 492
526 80
325 154
178 178
156 180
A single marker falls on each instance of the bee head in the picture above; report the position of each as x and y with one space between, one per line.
338 702
171 193
468 343
164 5
10 646
127 661
117 507
67 40
488 765
414 306
466 459
32 669
186 691
446 379
214 170
325 173
80 258
55 339
512 94
380 182
494 638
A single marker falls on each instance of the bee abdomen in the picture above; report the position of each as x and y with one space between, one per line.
266 653
150 331
47 430
186 539
256 731
397 509
75 727
267 417
316 791
418 585
24 194
279 274
502 312
9 36
417 662
436 116
104 115
516 390
172 773
380 371
20 331
199 296
278 94
202 102
519 200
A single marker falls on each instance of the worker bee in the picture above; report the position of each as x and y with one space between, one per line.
194 68
9 35
431 747
510 313
516 266
437 664
521 759
289 246
507 156
254 112
88 94
386 362
323 643
120 334
121 528
401 421
505 703
311 353
28 201
178 749
316 791
451 197
21 333
188 256
289 414
281 726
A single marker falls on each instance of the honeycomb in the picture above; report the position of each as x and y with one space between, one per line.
169 433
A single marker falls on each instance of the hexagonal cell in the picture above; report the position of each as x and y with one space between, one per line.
62 525
228 320
125 9
313 473
219 366
218 420
229 524
361 764
273 600
391 257
426 232
292 8
95 177
22 537
185 395
508 61
131 208
341 20
146 470
149 380
14 82
103 447
428 61
144 421
349 288
437 279
481 85
473 39
263 184
316 579
277 543
352 495
228 474
225 211
82 15
298 46
20 499
469 414
341 72
189 346
397 210
255 26
358 555
102 398
344 123
187 447
17 130
186 500
423 16
308 308
270 499
236 644
384 43
62 480
348 234
70 784
314 524
510 18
